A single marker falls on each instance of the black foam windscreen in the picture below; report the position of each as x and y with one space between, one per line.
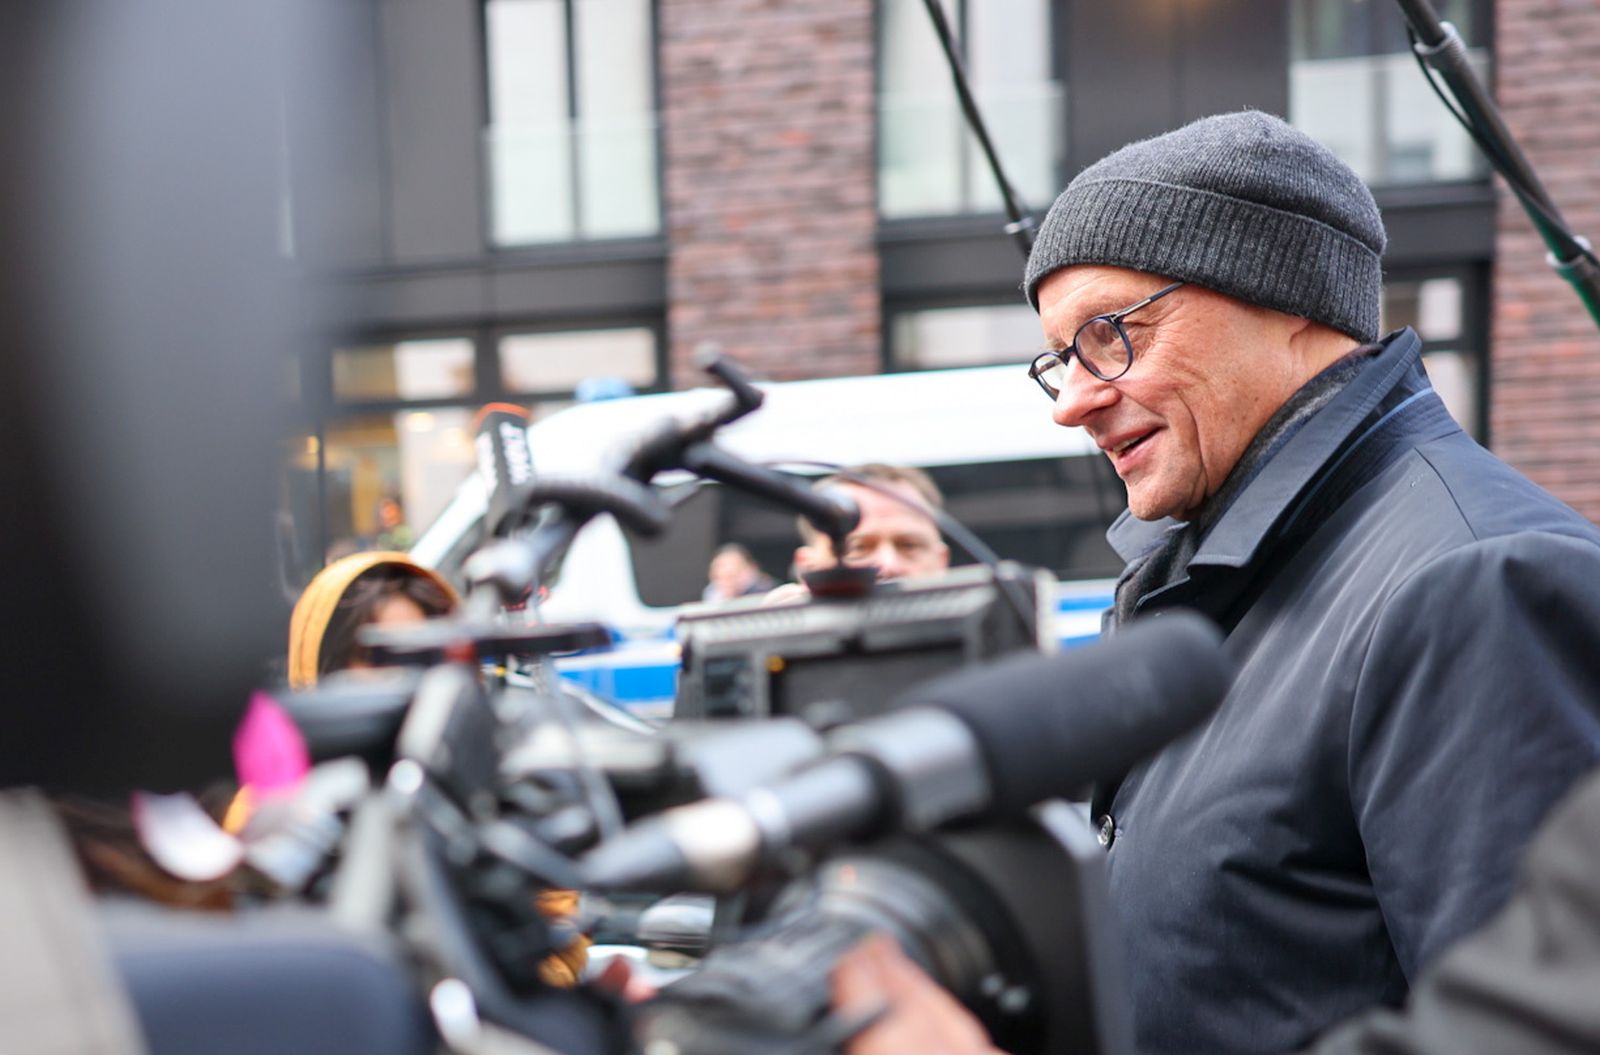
1049 725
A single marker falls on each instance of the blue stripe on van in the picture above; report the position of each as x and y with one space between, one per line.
633 683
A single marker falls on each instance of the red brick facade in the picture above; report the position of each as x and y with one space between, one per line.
770 177
1545 348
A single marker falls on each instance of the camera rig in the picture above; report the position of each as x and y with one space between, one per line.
493 790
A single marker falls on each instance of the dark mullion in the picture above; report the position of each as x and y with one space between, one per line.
321 516
1479 294
654 10
575 170
964 136
486 365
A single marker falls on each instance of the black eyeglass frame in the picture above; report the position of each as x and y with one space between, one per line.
1045 360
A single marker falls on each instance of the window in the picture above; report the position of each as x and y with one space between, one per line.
929 163
417 457
1436 308
933 338
400 418
572 132
433 369
561 362
1354 86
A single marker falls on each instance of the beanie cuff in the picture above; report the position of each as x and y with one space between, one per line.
1253 252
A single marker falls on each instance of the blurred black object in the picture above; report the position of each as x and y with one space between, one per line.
146 320
276 981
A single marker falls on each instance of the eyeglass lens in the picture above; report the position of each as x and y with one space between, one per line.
1102 348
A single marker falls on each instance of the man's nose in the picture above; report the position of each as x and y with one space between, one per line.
1080 395
888 561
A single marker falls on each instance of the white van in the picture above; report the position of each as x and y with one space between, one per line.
1035 492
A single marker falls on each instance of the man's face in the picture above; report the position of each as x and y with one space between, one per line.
1208 371
901 542
731 574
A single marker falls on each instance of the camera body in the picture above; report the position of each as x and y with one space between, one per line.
745 659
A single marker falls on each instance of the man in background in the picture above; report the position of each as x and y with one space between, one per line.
898 533
734 573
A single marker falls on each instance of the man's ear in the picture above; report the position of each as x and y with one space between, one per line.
944 557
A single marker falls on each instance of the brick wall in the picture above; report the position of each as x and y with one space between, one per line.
1545 358
770 184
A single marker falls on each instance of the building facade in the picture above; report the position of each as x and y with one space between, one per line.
535 198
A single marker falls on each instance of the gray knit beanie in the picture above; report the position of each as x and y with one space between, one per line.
1239 203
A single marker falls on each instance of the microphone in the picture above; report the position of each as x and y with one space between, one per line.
986 742
506 464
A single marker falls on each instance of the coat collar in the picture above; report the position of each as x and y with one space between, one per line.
1281 488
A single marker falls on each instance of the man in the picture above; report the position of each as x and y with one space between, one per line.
897 533
1415 623
734 573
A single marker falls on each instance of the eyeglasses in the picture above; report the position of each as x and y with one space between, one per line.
1101 345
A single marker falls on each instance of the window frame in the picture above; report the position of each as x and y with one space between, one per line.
486 123
1056 54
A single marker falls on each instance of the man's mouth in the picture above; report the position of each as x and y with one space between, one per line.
1126 443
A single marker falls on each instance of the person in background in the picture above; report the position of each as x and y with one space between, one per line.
393 531
734 573
897 534
382 587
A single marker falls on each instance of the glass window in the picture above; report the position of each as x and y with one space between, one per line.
559 362
1434 307
1354 86
928 162
965 336
572 134
432 369
415 457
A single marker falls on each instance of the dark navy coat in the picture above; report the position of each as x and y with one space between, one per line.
1418 629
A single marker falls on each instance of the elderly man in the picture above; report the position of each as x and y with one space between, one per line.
1417 625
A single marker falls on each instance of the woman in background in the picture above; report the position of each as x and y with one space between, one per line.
379 588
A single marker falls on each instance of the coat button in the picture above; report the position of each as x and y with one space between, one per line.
1106 830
